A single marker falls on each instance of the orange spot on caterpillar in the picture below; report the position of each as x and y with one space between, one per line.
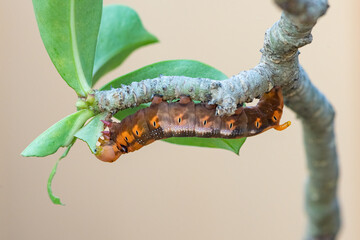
276 116
154 121
230 123
258 123
204 120
136 130
180 119
128 137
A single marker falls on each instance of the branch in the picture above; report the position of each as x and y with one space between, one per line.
317 116
278 67
241 88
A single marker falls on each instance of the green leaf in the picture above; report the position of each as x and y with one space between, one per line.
53 198
122 114
121 32
69 30
92 131
58 135
233 145
186 68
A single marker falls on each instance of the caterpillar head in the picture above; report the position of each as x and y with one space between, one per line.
107 151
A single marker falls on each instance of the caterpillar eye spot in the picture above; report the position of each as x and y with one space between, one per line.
205 122
258 123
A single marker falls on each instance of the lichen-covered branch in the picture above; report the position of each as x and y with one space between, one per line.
278 66
241 88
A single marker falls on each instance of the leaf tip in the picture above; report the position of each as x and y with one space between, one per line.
30 152
24 153
56 200
154 39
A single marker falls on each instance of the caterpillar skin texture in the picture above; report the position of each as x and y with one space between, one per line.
187 119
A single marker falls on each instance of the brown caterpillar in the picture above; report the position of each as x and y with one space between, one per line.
187 119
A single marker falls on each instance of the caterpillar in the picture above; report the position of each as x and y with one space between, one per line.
187 119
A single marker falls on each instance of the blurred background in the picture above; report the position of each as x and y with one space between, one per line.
166 191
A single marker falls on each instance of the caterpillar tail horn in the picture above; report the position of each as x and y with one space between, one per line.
283 126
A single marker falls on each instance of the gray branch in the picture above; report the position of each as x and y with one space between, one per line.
241 88
278 66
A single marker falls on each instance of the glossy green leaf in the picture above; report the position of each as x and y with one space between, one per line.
69 30
53 198
121 32
58 135
187 68
122 114
233 145
91 132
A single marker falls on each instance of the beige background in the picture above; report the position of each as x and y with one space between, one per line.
166 191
